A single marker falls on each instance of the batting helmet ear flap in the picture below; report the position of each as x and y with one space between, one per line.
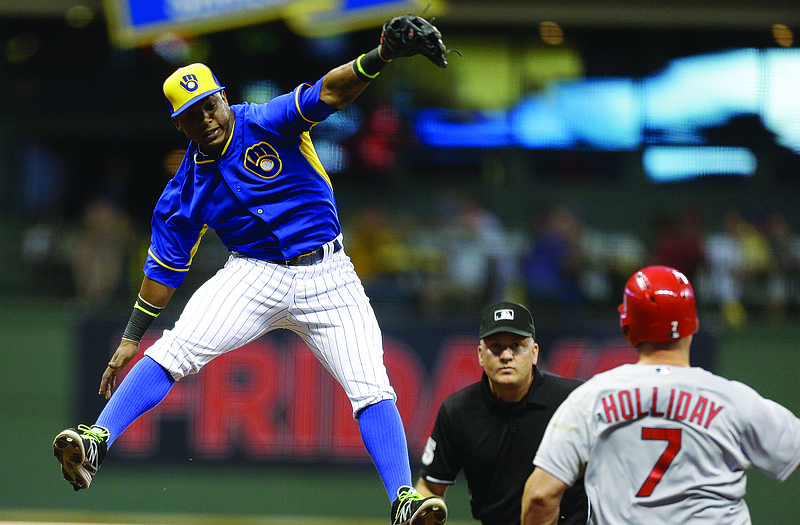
658 305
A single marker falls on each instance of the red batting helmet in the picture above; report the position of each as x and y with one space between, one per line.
658 305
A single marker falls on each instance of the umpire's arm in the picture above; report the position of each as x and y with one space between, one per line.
429 488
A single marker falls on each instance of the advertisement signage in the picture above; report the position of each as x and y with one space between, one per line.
134 23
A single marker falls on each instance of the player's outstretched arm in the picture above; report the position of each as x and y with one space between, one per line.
153 297
541 499
341 86
402 36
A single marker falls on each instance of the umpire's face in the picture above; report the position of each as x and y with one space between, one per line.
208 122
508 361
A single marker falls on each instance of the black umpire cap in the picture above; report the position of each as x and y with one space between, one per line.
506 317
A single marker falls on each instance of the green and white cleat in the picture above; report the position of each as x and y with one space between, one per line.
80 453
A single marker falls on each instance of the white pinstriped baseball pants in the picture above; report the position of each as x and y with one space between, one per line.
324 304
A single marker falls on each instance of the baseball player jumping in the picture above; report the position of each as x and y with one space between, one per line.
660 442
251 174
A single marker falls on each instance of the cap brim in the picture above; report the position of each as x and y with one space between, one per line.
199 97
506 329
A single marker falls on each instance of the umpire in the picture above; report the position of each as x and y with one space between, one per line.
492 429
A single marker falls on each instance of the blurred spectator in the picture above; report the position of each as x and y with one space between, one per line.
725 270
607 257
756 249
479 257
39 198
679 242
377 142
784 275
104 241
42 182
99 251
478 262
551 270
739 259
379 255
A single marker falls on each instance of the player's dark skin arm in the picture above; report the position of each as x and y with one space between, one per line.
341 86
154 293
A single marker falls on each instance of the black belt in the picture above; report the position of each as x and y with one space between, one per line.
307 259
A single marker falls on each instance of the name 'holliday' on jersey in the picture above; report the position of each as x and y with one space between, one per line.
674 442
672 403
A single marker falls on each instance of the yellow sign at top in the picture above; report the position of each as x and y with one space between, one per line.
315 18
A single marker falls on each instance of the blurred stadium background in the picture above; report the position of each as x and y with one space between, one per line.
573 142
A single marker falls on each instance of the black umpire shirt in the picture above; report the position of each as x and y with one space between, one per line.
495 443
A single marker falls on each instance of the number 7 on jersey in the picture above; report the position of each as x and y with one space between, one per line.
673 438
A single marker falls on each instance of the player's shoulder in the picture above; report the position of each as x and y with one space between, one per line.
252 117
246 109
701 376
266 113
602 381
733 387
688 377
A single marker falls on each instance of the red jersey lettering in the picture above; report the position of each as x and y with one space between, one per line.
610 407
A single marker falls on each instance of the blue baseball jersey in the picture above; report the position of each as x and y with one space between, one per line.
267 195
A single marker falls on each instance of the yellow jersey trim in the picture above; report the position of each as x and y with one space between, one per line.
191 254
297 103
197 244
168 267
308 151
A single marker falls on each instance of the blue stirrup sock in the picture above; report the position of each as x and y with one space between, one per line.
385 439
142 389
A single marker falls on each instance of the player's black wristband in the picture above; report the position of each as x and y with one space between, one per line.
368 65
142 317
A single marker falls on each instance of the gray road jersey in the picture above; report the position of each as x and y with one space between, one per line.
666 445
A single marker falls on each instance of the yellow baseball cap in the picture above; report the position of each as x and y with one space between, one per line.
187 85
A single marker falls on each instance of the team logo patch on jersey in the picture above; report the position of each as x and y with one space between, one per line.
263 160
189 82
506 314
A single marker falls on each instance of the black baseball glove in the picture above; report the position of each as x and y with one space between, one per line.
408 35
